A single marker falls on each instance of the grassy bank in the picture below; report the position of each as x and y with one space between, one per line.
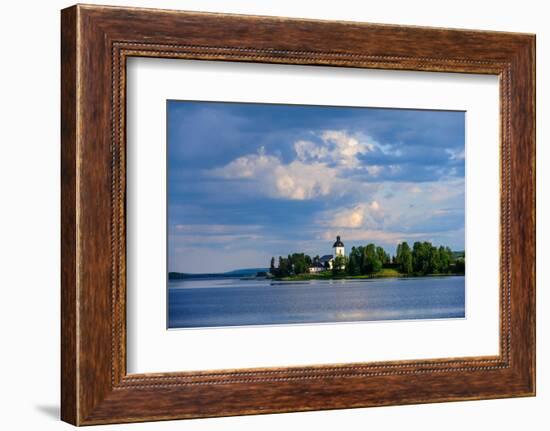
328 275
384 273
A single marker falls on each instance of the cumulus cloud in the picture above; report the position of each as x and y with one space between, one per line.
300 181
330 166
347 151
375 206
316 170
349 218
346 148
307 151
361 215
249 166
336 147
296 180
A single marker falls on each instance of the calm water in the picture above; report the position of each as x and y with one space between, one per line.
235 302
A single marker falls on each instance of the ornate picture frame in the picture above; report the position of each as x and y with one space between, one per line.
96 41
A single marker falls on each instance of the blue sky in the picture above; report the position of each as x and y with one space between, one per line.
251 181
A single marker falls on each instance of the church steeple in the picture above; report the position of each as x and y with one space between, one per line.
338 242
339 247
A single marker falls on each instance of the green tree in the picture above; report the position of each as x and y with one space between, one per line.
403 258
284 268
460 265
360 256
299 264
354 263
383 257
445 257
371 261
339 265
421 257
428 259
434 265
272 266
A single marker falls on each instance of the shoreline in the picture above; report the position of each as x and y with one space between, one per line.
309 277
321 277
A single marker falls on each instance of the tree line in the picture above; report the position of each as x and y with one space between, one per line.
422 259
293 264
366 260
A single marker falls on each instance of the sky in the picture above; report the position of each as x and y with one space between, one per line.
250 181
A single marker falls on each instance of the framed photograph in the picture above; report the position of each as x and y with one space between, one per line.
264 214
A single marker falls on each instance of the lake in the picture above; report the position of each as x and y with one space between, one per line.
196 303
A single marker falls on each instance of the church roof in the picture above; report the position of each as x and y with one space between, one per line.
325 258
338 243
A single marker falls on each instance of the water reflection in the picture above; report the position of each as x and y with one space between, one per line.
235 302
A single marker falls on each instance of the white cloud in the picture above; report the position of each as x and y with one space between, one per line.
349 218
301 181
361 215
374 206
319 168
296 180
307 151
374 170
249 166
346 147
337 147
315 172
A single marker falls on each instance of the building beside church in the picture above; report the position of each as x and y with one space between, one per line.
327 261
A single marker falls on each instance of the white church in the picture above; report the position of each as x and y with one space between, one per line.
328 259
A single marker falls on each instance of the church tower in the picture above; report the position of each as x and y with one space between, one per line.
339 247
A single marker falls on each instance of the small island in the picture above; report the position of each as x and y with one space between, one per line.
370 261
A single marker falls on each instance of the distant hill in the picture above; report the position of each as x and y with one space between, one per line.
236 273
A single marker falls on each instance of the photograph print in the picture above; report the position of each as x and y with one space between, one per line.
296 214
